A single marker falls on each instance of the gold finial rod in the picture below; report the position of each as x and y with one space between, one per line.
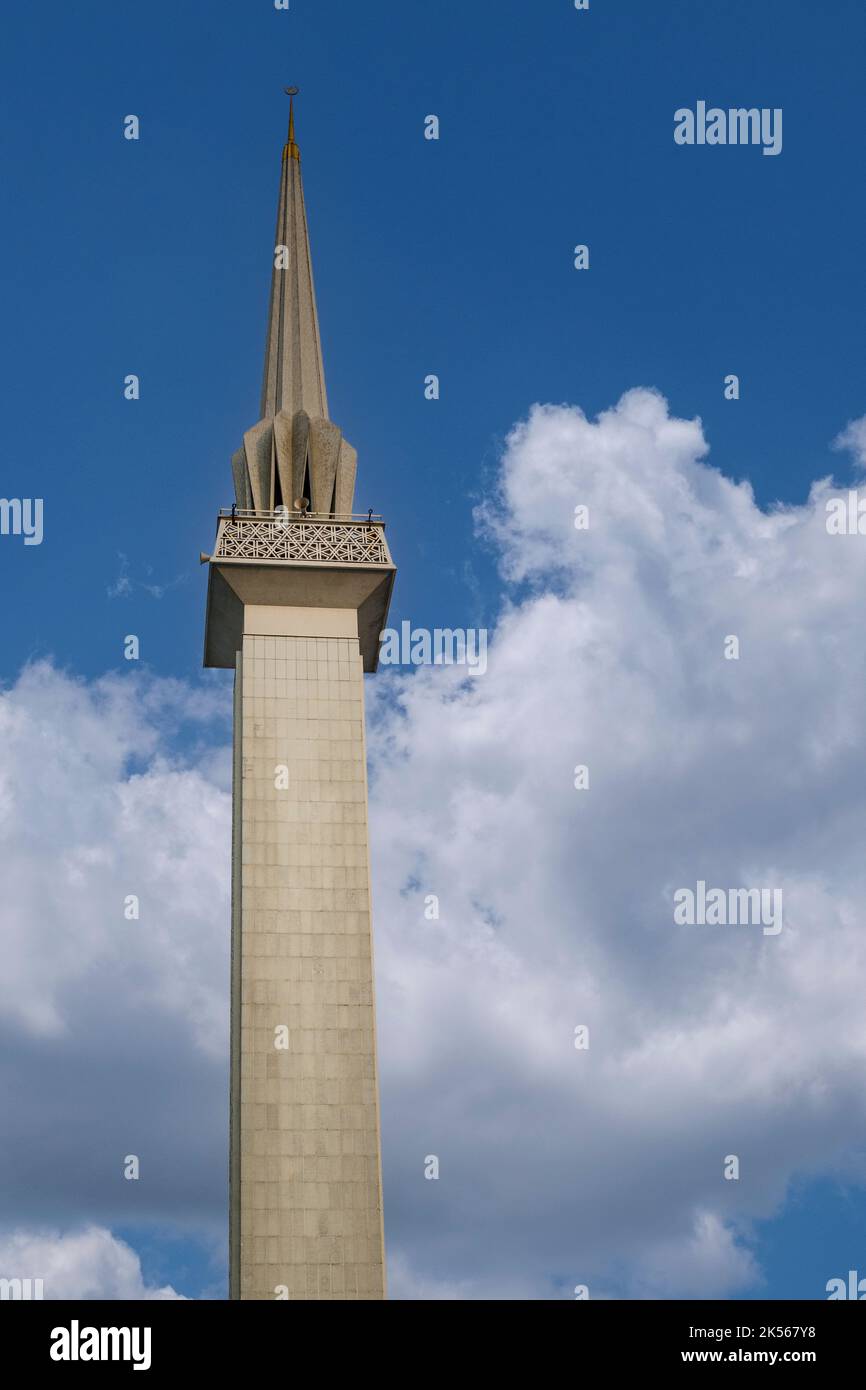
291 150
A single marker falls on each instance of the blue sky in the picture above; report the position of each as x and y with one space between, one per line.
452 257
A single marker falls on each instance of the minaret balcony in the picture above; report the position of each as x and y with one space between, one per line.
302 563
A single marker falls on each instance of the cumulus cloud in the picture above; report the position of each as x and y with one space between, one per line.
94 809
90 1264
113 1029
853 440
558 1166
707 1263
605 1166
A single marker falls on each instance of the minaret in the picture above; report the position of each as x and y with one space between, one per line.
298 592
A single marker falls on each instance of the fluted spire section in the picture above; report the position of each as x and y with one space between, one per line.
294 377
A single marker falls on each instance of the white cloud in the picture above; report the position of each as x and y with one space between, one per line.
556 905
853 439
406 1283
113 1032
557 1166
706 1263
87 1264
93 810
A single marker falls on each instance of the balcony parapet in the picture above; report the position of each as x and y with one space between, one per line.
298 537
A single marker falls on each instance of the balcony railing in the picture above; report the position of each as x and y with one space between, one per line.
300 536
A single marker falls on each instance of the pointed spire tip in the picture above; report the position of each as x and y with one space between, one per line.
290 150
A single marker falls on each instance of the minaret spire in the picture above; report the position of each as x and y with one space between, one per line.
293 150
295 456
294 376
